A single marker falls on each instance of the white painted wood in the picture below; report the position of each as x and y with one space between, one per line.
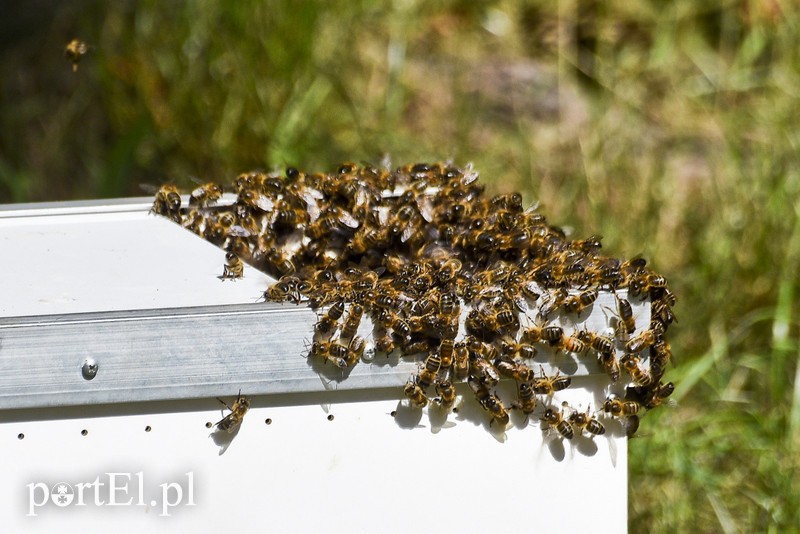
115 269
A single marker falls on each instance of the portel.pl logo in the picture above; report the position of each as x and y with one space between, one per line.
113 489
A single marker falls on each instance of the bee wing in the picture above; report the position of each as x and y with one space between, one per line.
311 205
149 188
425 206
225 421
347 219
407 233
470 174
238 231
383 216
520 303
265 203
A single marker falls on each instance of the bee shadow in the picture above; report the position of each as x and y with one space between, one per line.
585 445
223 439
438 417
407 416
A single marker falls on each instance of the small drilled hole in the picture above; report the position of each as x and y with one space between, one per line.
455 410
209 425
330 417
84 432
147 428
20 436
394 413
268 421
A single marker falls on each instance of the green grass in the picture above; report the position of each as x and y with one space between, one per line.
669 128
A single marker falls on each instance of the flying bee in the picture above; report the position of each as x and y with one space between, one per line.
446 392
167 202
658 394
586 421
74 52
633 365
231 422
577 303
330 351
489 401
415 393
555 419
548 385
331 318
233 268
513 369
205 195
527 401
352 321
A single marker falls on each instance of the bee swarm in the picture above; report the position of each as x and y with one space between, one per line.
445 274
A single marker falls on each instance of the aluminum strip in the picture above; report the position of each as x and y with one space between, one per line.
182 353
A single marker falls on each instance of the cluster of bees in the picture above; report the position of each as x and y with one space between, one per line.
474 287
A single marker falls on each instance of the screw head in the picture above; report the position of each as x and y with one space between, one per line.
89 368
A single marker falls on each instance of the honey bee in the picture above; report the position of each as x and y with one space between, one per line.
331 318
330 351
577 303
74 52
354 350
527 401
633 365
415 393
287 215
610 364
234 267
548 385
512 348
352 321
620 408
643 284
448 304
446 348
460 360
281 262
489 401
660 354
555 419
448 271
231 422
513 369
427 375
600 343
586 421
571 344
627 324
167 202
642 341
205 195
384 344
446 392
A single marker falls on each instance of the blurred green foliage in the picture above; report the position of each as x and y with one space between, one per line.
669 128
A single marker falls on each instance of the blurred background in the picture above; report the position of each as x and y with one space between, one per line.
669 128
